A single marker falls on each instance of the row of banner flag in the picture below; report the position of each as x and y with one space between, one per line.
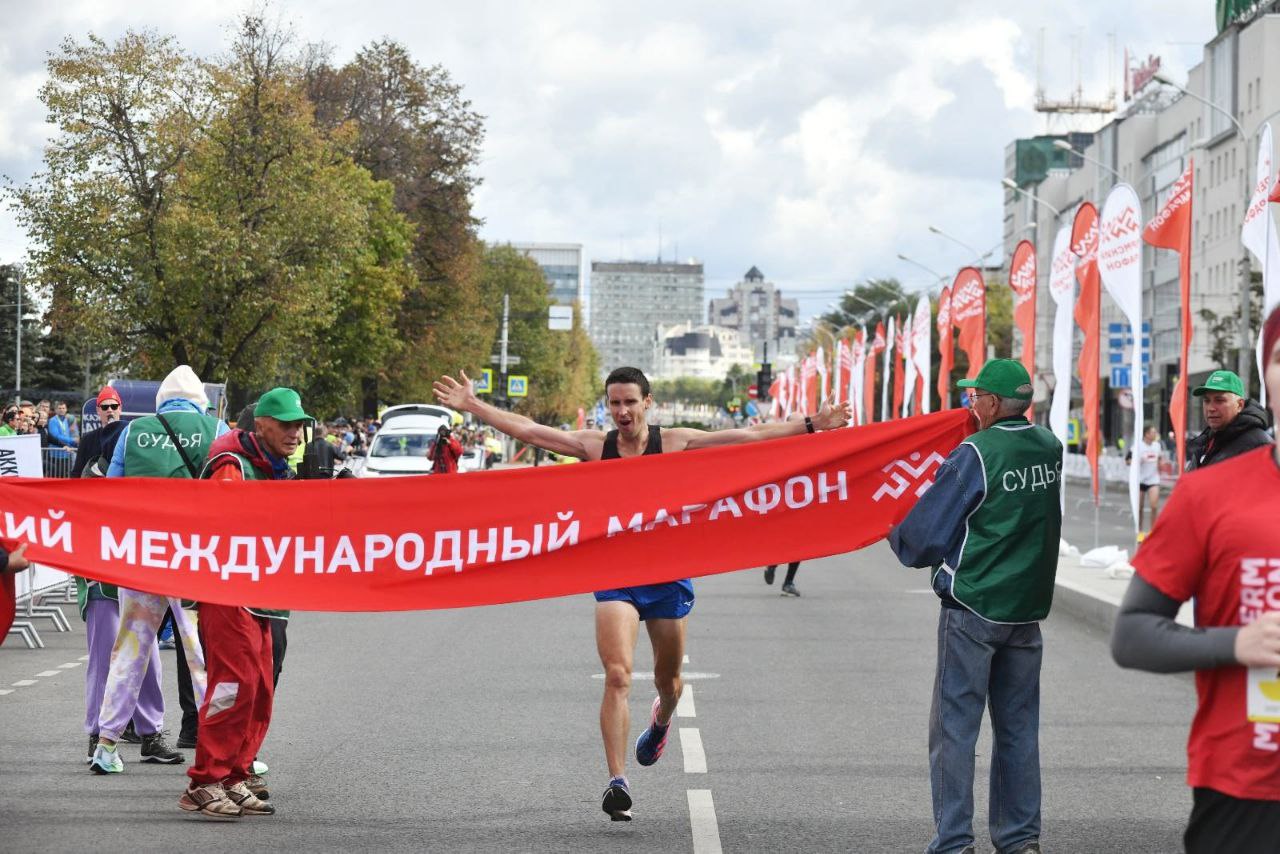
1095 250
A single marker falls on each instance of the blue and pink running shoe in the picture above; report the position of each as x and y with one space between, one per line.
652 741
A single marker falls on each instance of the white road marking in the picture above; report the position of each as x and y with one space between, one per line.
648 674
920 590
684 709
84 658
695 759
69 665
702 816
4 691
22 683
686 659
49 673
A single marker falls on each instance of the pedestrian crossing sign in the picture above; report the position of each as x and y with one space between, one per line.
484 383
517 386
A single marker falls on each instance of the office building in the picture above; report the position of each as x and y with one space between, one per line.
763 318
631 300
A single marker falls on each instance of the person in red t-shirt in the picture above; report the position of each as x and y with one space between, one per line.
1217 542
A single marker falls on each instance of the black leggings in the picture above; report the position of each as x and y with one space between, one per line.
791 571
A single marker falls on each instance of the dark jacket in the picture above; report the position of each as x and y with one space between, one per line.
95 444
1247 431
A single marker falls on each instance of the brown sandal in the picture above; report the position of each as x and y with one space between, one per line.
209 801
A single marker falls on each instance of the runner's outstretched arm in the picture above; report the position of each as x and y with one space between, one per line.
828 418
460 395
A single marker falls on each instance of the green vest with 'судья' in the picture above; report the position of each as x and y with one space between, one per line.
150 451
1009 559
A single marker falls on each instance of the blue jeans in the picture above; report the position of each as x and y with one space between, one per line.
981 662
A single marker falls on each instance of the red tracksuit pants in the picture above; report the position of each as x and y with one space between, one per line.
237 704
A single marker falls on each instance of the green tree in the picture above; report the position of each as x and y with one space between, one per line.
195 212
412 126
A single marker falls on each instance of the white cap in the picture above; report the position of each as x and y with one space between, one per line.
182 384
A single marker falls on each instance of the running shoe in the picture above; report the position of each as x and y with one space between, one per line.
156 749
93 745
106 760
768 574
130 735
617 800
256 784
790 590
186 742
259 768
249 803
652 741
209 801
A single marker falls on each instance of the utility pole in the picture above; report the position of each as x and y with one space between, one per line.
502 360
17 380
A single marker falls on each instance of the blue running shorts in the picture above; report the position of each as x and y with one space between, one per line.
669 601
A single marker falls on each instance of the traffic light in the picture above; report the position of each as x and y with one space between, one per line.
764 379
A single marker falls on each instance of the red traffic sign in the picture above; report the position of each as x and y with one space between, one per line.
753 392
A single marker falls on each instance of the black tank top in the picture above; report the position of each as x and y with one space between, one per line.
610 451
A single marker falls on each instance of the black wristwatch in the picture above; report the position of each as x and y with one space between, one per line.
808 424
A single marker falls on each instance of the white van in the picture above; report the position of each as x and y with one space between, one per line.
400 446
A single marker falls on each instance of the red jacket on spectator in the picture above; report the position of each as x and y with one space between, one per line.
448 462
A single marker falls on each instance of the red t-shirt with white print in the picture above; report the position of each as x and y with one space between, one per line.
1218 540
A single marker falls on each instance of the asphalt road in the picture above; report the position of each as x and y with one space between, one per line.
476 730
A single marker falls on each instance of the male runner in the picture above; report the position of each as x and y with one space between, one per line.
662 607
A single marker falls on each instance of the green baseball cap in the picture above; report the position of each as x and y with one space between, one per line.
282 404
1003 377
1221 381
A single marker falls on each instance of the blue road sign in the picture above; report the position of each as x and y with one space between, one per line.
1120 376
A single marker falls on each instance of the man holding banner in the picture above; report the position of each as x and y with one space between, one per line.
989 528
662 607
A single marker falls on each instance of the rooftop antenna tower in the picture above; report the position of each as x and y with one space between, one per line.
1063 111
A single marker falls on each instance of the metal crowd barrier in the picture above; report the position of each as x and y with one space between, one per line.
37 587
57 462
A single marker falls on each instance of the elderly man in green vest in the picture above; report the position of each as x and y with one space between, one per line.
234 721
989 529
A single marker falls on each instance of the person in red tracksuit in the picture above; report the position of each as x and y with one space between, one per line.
237 709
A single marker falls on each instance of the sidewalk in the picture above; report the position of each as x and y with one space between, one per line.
1090 594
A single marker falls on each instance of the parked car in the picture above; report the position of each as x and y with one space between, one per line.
400 446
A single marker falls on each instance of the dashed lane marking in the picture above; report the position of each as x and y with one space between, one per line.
702 816
695 759
69 665
83 658
648 674
685 709
22 683
4 691
44 673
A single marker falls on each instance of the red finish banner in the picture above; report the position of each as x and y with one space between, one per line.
946 348
1171 229
1022 278
1084 244
969 314
482 538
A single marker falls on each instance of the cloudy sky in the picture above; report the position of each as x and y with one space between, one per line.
815 140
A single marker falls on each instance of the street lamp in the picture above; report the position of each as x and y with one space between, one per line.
958 242
1010 184
1063 145
1160 78
916 263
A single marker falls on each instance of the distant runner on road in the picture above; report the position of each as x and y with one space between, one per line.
662 607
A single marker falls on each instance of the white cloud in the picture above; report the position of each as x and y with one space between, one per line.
814 140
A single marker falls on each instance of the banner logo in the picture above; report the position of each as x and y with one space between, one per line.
917 476
1124 223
